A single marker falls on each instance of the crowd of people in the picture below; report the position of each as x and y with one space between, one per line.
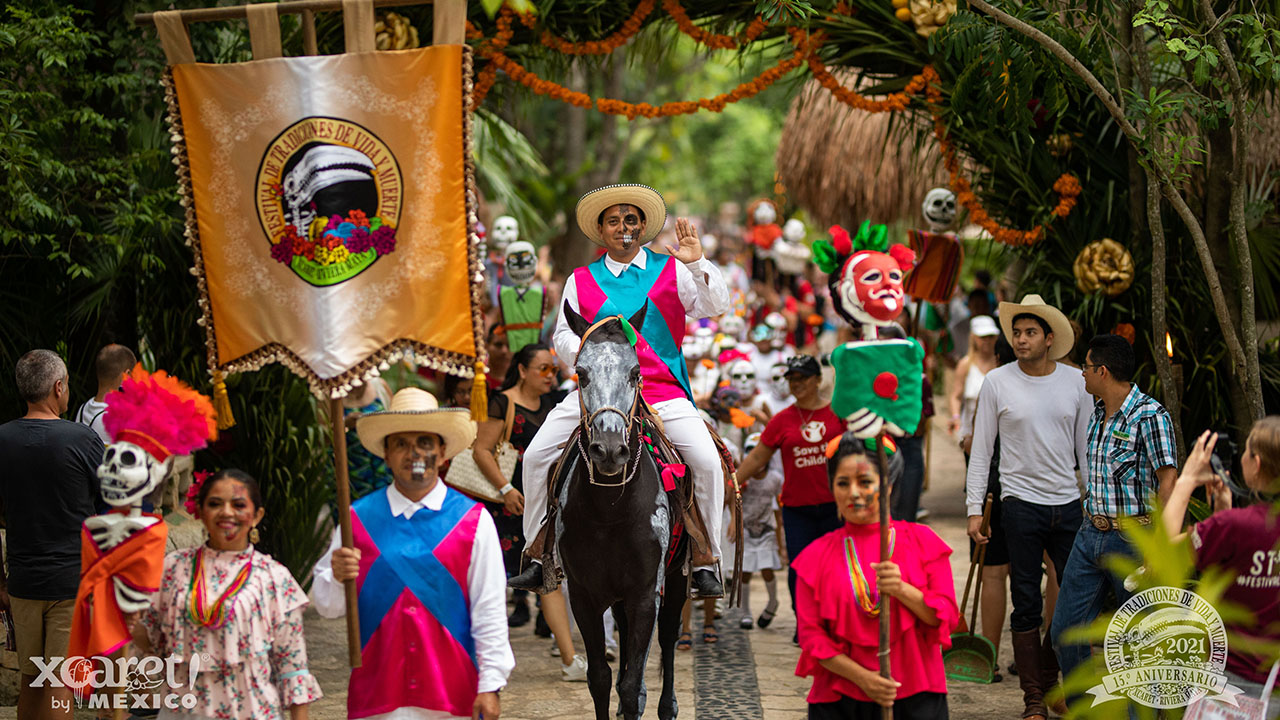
1062 459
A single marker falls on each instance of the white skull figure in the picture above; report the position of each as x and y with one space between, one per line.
505 231
128 474
778 380
521 262
319 168
697 344
939 208
793 230
742 376
765 214
778 325
733 326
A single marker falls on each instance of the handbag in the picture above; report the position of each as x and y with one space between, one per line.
466 477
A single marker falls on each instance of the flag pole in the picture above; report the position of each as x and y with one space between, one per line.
886 713
343 478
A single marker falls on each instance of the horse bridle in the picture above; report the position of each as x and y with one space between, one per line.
629 419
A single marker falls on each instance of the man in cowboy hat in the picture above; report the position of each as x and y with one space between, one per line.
675 286
1039 409
427 564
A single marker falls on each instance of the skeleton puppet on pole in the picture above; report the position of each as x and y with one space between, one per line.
878 382
152 419
522 304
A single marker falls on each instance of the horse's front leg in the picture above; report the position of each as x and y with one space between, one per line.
590 618
668 632
641 613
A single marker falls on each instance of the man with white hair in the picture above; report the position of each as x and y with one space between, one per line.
48 488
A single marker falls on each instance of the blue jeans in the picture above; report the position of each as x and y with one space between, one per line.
1033 530
802 524
1083 589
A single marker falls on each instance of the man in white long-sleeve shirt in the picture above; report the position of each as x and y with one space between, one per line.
1040 411
429 571
675 286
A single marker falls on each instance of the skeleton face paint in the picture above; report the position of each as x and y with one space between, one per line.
228 513
128 474
505 231
939 208
413 457
733 326
765 214
742 376
778 380
521 263
871 287
856 488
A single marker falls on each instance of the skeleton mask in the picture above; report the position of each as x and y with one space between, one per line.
521 263
871 287
504 232
778 325
793 230
733 326
765 214
939 208
697 344
778 380
128 474
742 376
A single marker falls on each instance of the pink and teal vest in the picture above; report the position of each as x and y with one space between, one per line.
415 617
600 294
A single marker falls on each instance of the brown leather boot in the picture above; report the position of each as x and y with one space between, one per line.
1053 695
1028 652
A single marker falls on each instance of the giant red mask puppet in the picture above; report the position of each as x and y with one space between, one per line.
866 274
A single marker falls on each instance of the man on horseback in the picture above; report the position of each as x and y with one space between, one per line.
683 284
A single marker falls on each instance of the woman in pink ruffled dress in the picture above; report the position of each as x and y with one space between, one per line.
839 588
237 609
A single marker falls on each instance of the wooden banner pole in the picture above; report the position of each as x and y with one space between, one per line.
886 712
309 33
237 12
342 475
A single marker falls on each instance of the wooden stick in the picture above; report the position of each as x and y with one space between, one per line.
288 7
885 712
309 33
343 478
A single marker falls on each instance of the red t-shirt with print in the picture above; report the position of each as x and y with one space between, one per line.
1245 540
802 436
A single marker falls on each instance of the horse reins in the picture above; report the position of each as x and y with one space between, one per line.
628 419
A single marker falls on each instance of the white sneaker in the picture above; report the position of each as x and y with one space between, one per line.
575 671
555 649
610 653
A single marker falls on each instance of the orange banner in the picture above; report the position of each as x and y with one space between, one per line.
330 207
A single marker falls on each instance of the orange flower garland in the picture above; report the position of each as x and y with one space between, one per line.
709 39
1067 186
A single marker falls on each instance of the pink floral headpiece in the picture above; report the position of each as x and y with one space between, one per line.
193 492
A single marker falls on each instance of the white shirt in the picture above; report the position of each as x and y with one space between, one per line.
90 414
700 285
1043 426
487 586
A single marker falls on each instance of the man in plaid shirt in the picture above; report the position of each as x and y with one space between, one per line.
1131 456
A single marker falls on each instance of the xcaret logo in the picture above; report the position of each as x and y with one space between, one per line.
133 683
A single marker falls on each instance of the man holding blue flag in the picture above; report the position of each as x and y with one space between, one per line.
429 571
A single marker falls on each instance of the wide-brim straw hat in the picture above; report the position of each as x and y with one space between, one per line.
1064 338
416 410
644 197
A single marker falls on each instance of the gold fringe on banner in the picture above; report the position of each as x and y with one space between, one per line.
222 403
479 395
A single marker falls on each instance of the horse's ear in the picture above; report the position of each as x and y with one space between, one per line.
637 320
576 322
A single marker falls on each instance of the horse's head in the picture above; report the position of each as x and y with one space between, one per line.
608 386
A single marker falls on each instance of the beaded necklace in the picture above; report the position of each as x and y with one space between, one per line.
868 596
213 615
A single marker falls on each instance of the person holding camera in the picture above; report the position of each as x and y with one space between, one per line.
1130 458
1244 541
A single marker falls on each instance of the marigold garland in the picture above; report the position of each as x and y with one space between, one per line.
927 82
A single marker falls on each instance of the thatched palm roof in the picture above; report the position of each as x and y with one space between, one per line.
844 165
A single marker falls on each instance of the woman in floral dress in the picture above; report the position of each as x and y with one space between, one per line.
235 608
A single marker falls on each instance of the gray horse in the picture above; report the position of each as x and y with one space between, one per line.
616 525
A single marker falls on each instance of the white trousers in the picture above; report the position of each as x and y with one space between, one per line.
685 429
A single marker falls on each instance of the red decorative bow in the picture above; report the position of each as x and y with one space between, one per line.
670 472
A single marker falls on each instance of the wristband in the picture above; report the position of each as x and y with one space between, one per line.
506 489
